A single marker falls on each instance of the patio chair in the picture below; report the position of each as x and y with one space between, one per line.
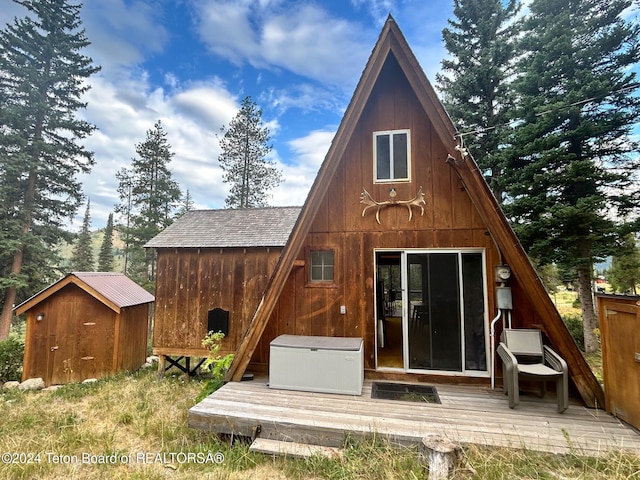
524 356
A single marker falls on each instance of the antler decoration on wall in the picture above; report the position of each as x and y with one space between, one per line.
417 201
463 152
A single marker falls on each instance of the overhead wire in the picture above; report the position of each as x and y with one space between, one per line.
550 110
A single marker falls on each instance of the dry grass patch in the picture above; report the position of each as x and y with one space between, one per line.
128 426
144 420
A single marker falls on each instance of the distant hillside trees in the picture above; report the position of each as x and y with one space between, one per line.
105 257
149 198
624 273
43 75
82 257
245 147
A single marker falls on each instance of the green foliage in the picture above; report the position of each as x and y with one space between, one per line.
11 355
624 274
245 147
42 81
216 364
475 84
82 258
550 276
149 198
576 328
573 168
572 162
106 257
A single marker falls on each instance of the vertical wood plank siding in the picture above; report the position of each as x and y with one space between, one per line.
450 221
193 281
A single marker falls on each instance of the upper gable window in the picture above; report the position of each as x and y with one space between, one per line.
391 156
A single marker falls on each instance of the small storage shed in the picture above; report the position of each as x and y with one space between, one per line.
86 325
213 266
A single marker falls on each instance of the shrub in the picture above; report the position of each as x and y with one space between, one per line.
576 328
11 354
215 363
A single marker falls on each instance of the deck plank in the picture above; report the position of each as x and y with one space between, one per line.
466 415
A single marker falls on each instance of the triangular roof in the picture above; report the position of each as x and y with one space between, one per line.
115 290
392 42
229 228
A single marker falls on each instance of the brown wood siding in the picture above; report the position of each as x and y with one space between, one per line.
620 333
75 341
132 329
190 282
450 220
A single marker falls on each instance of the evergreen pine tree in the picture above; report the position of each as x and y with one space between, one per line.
82 257
42 79
149 198
624 274
105 258
186 204
475 83
573 169
245 146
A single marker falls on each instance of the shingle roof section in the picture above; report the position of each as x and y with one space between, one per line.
249 227
116 287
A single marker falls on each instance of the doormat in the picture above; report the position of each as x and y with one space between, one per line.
404 391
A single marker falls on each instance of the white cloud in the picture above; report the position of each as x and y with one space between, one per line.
308 154
122 33
301 38
191 116
378 9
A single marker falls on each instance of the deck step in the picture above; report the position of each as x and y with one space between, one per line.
293 449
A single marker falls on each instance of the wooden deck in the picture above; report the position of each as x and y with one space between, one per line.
475 415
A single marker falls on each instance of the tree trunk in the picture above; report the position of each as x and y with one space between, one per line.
589 319
10 296
18 256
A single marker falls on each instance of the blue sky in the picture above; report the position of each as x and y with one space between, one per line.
189 63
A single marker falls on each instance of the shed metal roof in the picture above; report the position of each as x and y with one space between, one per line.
247 227
112 288
117 287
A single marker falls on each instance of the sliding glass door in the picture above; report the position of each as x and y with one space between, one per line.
443 312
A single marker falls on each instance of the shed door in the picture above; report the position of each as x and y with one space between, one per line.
621 359
63 332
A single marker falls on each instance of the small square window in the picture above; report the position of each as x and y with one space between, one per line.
391 155
321 266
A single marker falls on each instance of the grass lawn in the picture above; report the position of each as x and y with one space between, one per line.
134 426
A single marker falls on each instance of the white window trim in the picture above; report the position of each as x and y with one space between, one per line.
375 156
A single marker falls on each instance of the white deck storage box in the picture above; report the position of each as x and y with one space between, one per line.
317 364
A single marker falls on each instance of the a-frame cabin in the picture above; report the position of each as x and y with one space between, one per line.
401 233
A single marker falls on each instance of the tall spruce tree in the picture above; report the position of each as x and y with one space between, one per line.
82 257
245 146
105 257
573 173
149 198
475 84
43 76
